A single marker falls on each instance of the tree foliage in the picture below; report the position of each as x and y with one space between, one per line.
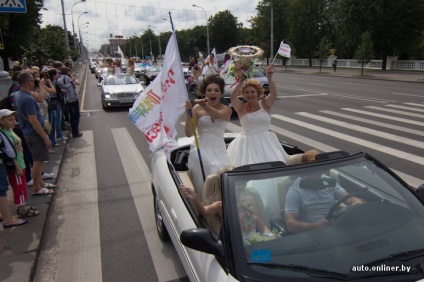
223 31
18 30
364 52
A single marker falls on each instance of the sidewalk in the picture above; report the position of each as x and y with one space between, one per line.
410 76
19 246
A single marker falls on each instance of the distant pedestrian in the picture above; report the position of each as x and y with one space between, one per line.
335 65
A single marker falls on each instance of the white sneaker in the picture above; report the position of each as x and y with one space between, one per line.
47 175
29 183
62 139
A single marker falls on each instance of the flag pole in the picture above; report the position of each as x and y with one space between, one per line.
193 126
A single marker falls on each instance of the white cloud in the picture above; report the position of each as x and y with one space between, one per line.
129 17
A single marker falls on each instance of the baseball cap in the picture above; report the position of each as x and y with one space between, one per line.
6 112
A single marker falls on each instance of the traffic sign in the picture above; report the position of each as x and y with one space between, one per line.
13 6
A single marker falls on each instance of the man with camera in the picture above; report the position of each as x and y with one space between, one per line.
68 82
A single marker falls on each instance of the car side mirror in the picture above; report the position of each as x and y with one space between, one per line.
420 192
201 239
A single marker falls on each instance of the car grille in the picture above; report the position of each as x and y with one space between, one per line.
125 95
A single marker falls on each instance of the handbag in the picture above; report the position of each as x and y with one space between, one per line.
51 104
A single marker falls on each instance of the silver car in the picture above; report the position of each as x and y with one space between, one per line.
120 90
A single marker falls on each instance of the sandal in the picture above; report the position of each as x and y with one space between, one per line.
49 186
28 213
17 223
43 191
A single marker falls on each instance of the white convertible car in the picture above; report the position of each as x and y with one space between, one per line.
381 239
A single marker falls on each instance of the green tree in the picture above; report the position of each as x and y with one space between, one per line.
396 26
49 46
223 31
364 52
307 26
322 52
18 30
261 25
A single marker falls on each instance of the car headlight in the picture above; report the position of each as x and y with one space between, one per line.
110 95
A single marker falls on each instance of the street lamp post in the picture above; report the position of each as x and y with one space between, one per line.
73 29
135 44
79 30
272 30
68 50
160 51
207 26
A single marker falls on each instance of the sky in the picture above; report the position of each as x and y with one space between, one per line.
131 17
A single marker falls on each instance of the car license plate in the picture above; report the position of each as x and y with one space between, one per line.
125 101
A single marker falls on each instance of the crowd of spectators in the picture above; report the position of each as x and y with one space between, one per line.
41 103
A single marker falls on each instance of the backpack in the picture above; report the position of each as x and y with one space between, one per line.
7 152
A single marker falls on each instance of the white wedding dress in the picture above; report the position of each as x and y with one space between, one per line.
256 144
212 149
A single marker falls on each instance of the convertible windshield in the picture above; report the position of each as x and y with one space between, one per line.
379 217
120 80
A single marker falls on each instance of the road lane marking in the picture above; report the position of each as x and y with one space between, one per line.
348 83
406 108
81 212
410 121
167 264
411 180
381 134
302 95
374 122
405 94
414 104
355 140
395 111
84 91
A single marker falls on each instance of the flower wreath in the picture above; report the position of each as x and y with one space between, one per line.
242 59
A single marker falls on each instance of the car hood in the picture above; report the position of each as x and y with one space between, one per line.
122 88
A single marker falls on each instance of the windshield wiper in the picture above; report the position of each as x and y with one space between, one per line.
309 270
403 256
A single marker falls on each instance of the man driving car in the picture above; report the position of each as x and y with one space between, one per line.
307 207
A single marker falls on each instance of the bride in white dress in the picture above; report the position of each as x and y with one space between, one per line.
255 144
210 118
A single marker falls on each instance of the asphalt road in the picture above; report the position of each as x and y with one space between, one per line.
104 230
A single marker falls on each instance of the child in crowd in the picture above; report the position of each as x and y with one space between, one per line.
16 177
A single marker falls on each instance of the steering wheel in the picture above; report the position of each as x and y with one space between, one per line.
330 215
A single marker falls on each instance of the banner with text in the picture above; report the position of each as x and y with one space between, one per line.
158 108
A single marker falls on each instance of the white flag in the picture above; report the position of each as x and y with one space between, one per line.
120 52
160 105
284 50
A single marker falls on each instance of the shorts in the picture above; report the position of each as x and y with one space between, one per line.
4 185
37 147
19 186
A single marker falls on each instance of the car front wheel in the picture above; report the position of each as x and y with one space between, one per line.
160 226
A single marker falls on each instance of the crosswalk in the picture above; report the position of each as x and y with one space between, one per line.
388 124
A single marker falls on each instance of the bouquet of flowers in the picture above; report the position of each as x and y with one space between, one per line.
243 58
